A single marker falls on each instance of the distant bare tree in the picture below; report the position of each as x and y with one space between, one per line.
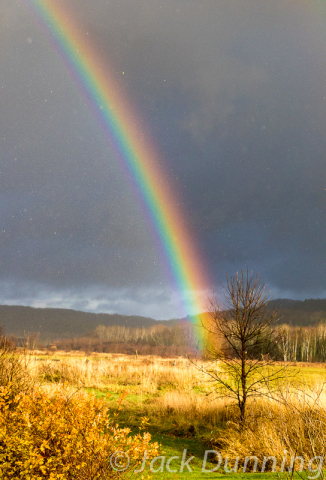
243 366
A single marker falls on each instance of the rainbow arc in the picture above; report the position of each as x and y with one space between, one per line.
134 149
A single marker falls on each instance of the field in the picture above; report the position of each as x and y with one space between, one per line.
182 412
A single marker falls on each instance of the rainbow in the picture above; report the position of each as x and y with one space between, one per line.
134 149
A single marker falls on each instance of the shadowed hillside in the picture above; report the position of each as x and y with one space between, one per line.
54 323
296 312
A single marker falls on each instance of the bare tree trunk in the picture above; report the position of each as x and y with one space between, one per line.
243 383
242 406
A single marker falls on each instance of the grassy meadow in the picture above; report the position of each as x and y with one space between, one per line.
176 404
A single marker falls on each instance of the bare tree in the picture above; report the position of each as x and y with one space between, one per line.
243 365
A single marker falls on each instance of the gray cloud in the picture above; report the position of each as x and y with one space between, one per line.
146 301
232 94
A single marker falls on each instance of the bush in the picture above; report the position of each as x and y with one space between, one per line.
14 373
63 437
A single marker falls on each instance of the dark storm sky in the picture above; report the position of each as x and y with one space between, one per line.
233 95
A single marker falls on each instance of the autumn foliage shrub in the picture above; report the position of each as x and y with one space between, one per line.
14 368
64 437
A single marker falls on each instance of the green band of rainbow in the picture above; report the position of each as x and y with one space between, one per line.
132 145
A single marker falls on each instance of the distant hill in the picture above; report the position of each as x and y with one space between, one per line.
59 323
297 312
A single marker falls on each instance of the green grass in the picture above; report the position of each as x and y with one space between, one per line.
311 375
136 406
173 446
113 397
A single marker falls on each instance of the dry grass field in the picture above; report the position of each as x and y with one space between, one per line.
179 404
175 396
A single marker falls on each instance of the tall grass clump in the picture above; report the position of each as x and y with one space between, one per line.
286 426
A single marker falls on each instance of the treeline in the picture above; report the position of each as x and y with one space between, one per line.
156 340
302 344
294 344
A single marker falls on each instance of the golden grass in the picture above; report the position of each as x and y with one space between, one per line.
117 373
172 393
293 425
139 375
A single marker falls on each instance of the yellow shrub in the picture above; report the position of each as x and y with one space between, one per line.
63 437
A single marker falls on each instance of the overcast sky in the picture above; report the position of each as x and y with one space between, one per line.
233 96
